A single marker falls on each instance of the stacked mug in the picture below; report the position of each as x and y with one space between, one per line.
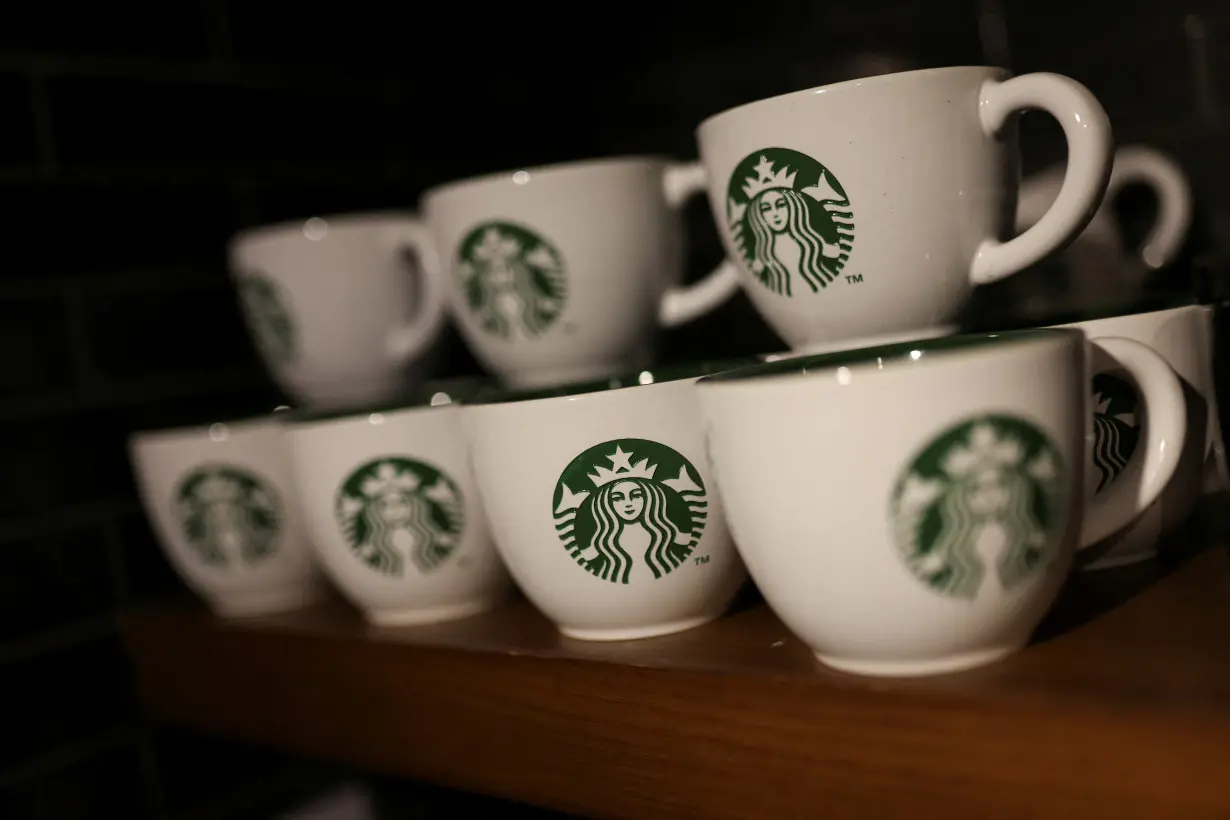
908 501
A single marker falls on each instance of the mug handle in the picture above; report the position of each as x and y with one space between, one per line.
1138 163
679 305
1087 130
407 340
1153 464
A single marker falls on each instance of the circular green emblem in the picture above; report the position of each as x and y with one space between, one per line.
1116 426
396 509
790 220
268 318
230 516
512 279
630 502
986 493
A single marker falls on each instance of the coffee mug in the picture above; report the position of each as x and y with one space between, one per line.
603 506
344 310
1096 271
870 209
1216 472
566 272
393 511
914 509
1121 418
221 501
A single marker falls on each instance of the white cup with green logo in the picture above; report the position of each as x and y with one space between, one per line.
344 310
567 272
220 499
393 512
913 509
603 506
860 211
1178 335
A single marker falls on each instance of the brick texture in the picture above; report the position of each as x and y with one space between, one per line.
140 135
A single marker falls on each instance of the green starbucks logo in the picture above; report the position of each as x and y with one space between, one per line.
985 493
628 501
512 279
1116 426
230 516
789 219
270 321
395 509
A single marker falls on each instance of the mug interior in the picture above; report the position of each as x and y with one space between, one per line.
899 353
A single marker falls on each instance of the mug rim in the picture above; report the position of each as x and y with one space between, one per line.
875 79
287 228
1163 305
422 399
895 355
270 418
572 391
436 191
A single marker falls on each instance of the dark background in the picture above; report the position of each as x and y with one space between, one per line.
138 135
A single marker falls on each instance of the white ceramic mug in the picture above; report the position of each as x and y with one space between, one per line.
566 272
221 501
345 310
1178 335
870 209
603 506
393 512
1095 270
914 509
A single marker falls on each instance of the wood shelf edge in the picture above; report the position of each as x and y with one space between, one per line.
586 736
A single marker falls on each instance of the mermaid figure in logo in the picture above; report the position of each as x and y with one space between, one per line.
511 287
396 524
789 232
630 519
223 527
986 514
784 243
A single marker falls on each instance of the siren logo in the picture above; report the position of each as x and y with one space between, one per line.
230 516
630 509
512 278
985 496
1116 426
397 512
268 318
790 220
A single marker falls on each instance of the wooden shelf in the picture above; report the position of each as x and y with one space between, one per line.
1120 709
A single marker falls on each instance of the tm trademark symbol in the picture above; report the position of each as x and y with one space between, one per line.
855 279
704 559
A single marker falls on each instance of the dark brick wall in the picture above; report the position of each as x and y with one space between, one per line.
139 135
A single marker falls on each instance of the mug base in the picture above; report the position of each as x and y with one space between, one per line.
917 334
1114 561
421 617
636 633
555 376
267 602
918 668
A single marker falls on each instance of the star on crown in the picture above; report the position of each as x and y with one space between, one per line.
766 177
621 467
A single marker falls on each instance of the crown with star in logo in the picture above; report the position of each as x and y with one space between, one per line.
621 467
766 177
